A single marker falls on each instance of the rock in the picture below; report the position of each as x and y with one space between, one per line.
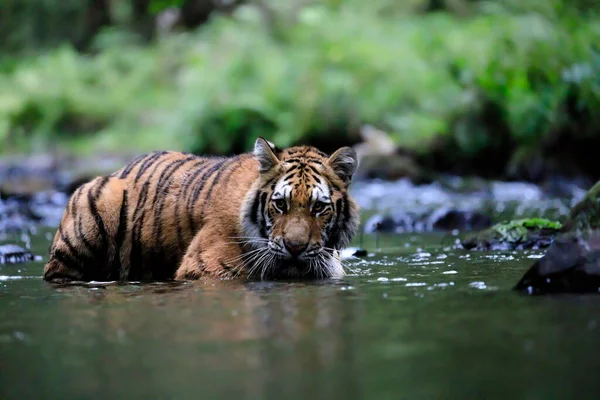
390 168
449 220
70 186
13 254
21 213
585 215
380 159
571 265
15 216
25 176
375 142
442 219
360 253
531 233
399 222
353 252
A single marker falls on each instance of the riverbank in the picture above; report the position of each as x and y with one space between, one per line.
505 92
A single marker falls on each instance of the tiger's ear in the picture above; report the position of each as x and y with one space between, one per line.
264 151
344 163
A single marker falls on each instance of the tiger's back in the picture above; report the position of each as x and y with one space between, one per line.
137 223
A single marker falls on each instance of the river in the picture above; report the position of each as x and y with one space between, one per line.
417 318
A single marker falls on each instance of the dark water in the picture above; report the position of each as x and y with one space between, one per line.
415 321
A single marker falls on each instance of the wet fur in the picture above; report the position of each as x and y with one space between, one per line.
171 215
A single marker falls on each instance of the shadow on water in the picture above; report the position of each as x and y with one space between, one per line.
419 319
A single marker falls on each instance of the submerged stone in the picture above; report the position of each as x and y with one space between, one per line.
571 265
530 233
13 254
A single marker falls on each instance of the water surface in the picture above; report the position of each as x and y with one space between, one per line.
415 320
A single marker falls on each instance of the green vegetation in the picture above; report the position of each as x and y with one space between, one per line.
508 78
517 230
522 233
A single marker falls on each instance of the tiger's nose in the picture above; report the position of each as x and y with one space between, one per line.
295 248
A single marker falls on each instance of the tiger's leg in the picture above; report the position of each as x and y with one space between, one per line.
83 248
211 254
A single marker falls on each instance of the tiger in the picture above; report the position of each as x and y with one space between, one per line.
268 214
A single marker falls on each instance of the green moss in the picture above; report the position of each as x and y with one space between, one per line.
522 233
518 230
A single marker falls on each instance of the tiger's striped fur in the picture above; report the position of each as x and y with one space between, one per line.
270 214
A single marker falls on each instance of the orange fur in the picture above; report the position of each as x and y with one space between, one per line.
174 215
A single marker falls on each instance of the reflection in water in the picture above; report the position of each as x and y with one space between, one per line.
410 323
200 332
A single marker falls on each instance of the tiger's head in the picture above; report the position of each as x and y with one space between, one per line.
298 213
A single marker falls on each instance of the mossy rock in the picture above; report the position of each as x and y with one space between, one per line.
530 233
585 215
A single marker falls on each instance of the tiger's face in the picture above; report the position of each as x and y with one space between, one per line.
299 213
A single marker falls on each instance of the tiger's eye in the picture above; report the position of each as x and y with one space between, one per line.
280 204
319 206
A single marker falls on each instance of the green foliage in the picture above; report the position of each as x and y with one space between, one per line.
29 24
157 6
336 65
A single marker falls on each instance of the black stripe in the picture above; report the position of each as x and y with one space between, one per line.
304 159
313 169
271 182
76 255
94 210
101 185
204 164
254 210
262 209
334 235
147 164
137 250
198 191
75 199
135 220
157 229
216 181
132 165
233 169
135 260
122 219
289 176
226 267
167 175
78 227
120 238
346 208
67 260
181 199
